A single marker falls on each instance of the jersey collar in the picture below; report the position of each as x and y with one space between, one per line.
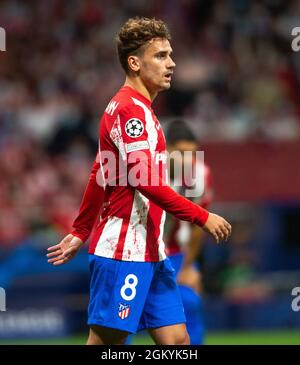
137 94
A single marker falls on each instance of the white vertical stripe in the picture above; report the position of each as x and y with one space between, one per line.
161 244
136 236
150 126
109 238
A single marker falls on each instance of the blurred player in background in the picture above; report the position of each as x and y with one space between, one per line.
183 240
133 285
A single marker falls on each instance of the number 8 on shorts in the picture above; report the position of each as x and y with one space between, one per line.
130 284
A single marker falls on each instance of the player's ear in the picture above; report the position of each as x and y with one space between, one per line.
133 63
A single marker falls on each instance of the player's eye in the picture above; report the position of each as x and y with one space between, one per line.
161 55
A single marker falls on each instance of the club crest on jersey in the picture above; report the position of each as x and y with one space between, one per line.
123 311
134 128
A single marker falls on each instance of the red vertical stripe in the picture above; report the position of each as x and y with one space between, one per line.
153 231
120 247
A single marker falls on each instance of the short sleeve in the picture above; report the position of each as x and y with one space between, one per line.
129 132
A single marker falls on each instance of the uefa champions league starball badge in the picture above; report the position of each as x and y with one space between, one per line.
134 128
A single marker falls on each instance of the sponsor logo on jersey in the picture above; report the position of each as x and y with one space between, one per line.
134 128
136 146
124 310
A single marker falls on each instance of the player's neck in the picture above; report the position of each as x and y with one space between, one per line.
137 84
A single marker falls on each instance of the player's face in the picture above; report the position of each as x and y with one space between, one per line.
185 145
156 65
184 159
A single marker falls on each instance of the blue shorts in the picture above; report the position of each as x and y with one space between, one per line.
132 296
192 303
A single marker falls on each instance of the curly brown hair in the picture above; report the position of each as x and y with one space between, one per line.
135 33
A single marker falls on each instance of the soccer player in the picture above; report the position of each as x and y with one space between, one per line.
183 240
133 286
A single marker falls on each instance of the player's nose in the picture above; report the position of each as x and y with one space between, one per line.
171 64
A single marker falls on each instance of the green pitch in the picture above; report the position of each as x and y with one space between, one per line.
286 337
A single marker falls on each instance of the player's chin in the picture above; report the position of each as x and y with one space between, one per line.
166 85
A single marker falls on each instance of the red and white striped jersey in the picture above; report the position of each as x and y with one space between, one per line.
132 215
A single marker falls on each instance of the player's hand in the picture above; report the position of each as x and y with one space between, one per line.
189 276
218 227
65 250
